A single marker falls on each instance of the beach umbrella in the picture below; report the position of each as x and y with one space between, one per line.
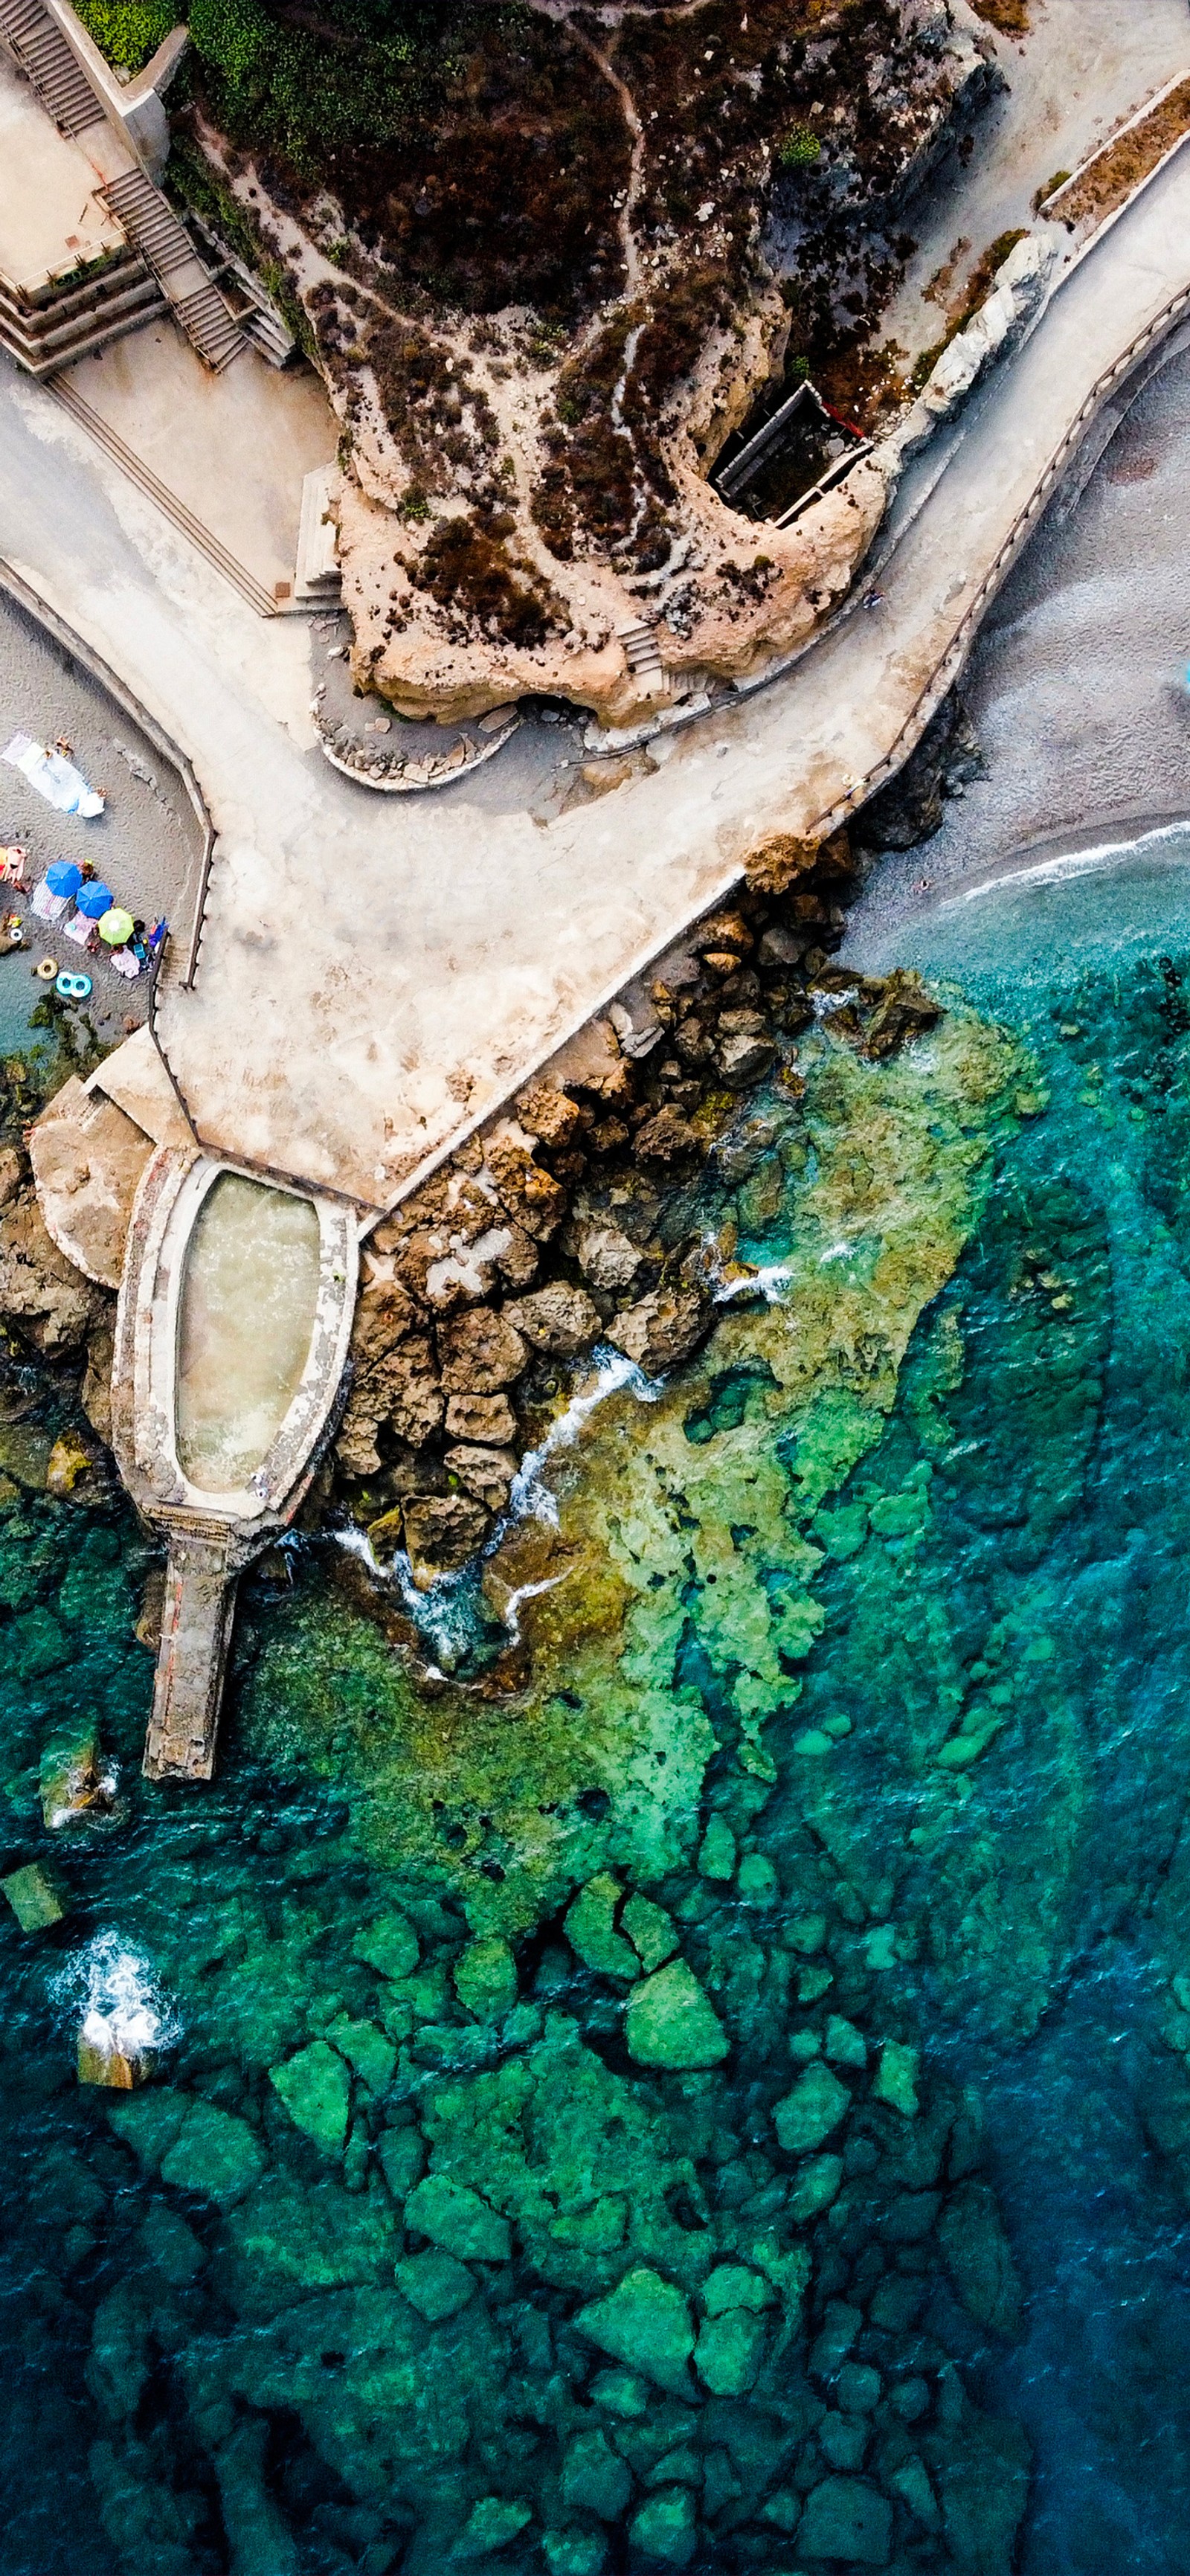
95 899
63 877
116 927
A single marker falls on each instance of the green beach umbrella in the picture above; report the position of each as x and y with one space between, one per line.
116 927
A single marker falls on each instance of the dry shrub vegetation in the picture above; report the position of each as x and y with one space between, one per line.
473 163
1121 165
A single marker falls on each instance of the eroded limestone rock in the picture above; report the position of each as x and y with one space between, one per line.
663 1328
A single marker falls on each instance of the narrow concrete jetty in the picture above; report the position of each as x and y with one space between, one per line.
206 1558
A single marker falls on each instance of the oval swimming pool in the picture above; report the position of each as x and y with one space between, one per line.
244 1328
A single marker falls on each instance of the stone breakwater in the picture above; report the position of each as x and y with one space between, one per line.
573 1222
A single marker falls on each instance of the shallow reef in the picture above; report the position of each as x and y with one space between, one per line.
599 2127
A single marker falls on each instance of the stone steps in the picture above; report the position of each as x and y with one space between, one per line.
151 224
644 656
184 519
37 44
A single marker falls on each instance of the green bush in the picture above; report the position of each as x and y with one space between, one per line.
800 149
309 95
127 32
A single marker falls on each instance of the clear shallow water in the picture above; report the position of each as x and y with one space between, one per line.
20 994
247 1315
862 1653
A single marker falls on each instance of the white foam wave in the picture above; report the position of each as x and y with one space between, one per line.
443 1616
768 1280
123 2008
1066 865
531 1498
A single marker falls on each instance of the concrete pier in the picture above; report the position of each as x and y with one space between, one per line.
201 1582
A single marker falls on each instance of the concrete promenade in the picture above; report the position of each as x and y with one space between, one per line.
372 980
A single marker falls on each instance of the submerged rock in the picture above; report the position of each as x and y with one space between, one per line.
650 1930
34 1898
717 1850
590 1929
492 2523
665 2530
436 2284
389 1944
896 2077
315 2087
727 2354
595 2478
847 2519
455 2218
806 2116
485 1979
215 2155
670 2023
979 2260
573 2553
645 2321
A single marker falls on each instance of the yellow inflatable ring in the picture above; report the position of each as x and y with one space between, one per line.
47 969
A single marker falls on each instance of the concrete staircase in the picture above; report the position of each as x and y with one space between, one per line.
51 327
165 245
37 43
244 296
644 657
167 502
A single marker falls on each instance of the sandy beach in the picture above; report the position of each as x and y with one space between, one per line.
1077 688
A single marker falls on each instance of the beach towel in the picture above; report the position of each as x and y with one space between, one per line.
47 906
56 778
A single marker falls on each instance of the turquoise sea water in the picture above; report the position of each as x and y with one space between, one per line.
717 2100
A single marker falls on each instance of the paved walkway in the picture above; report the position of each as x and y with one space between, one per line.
371 980
1083 67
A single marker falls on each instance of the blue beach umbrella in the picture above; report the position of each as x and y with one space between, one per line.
95 900
63 877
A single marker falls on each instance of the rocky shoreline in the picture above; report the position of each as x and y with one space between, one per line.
570 1224
574 1222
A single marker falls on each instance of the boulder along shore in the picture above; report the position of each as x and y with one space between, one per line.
576 1220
